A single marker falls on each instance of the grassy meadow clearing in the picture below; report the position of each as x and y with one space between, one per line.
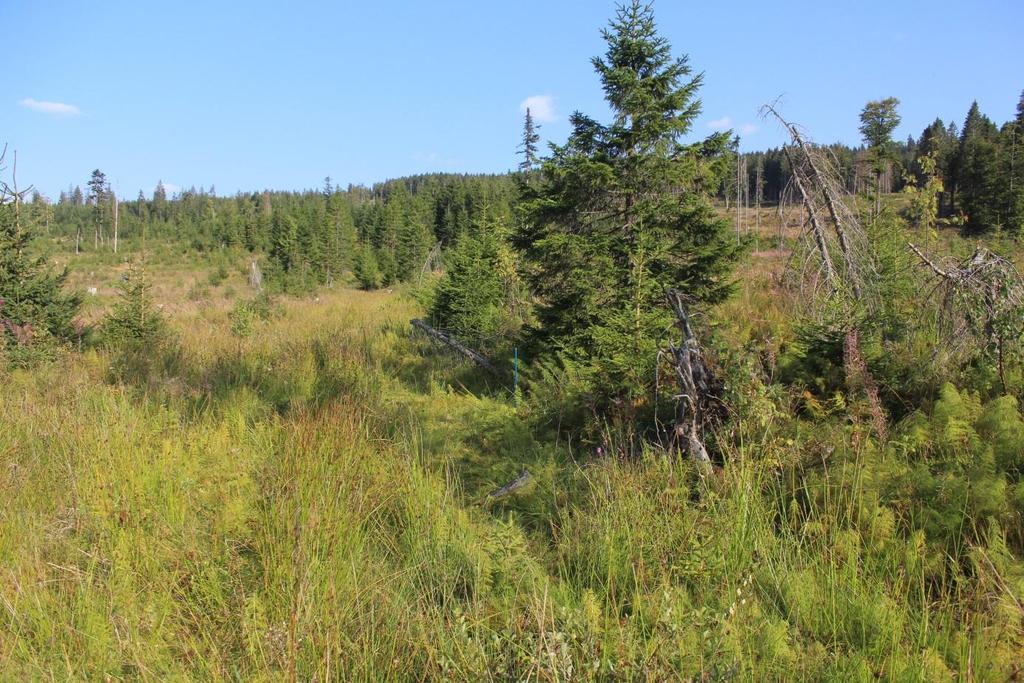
699 442
303 495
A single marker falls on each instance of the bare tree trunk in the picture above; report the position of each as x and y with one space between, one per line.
746 197
695 385
878 193
738 202
455 344
115 223
780 211
255 277
757 194
816 229
831 201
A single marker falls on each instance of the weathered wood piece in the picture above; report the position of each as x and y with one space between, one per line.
521 480
454 344
696 382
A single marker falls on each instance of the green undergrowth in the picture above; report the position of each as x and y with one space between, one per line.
308 498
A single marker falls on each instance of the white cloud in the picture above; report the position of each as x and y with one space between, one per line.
749 128
171 189
542 108
56 108
438 160
723 123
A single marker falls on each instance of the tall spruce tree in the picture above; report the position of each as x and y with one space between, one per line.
160 200
622 215
98 193
528 148
977 169
285 240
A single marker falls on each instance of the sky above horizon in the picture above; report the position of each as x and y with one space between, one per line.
280 95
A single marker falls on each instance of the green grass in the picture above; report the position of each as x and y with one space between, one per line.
309 502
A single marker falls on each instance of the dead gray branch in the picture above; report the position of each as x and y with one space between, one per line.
454 344
521 480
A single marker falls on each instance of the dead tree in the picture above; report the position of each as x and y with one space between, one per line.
255 276
846 243
739 196
698 388
114 197
822 184
432 262
10 193
454 344
982 303
758 193
817 230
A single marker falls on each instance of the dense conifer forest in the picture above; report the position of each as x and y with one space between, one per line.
644 408
398 222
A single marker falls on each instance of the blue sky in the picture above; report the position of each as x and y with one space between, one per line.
281 94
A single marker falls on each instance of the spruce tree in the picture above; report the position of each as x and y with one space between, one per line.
98 193
134 323
367 269
415 240
310 248
160 200
977 170
528 148
480 297
622 215
342 241
285 240
34 307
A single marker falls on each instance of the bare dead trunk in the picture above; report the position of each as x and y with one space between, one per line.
816 228
695 386
456 345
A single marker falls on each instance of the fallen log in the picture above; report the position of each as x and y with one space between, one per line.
519 482
454 344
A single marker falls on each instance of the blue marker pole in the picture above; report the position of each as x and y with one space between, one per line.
515 366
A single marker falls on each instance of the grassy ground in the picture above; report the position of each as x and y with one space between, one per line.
310 503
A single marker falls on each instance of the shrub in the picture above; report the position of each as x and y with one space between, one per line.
134 321
247 314
218 275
